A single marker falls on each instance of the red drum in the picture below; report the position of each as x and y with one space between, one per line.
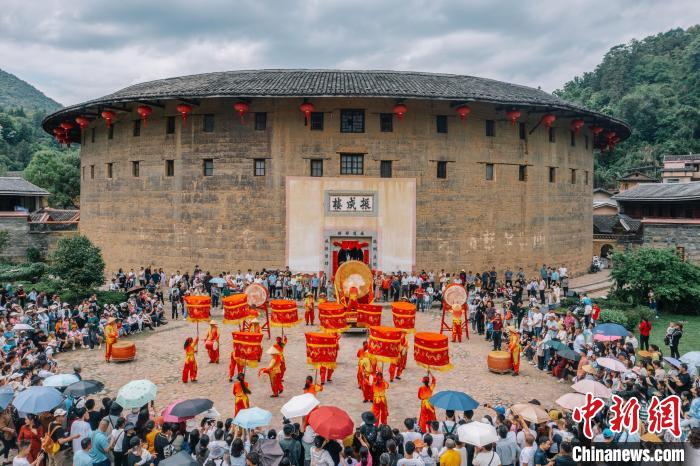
236 308
369 315
431 351
332 317
198 308
247 346
499 362
404 315
385 343
284 313
123 351
321 349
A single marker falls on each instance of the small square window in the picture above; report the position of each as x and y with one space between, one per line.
489 172
441 123
573 138
386 122
552 174
260 121
259 167
585 178
490 126
352 164
92 135
352 121
170 125
385 168
573 176
170 167
552 135
110 131
208 167
109 170
585 140
92 172
522 173
316 167
441 169
137 128
135 168
208 126
316 121
522 131
83 172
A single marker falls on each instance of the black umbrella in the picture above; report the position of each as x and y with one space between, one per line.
569 354
84 388
135 289
179 459
190 408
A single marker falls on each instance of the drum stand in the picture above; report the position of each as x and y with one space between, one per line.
446 321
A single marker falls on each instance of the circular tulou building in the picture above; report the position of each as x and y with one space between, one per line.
308 168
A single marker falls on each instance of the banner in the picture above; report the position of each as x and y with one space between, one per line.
284 313
369 315
332 317
236 308
404 314
385 343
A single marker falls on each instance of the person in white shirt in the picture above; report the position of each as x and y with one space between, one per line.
427 452
410 458
486 456
527 454
563 271
81 428
410 435
437 436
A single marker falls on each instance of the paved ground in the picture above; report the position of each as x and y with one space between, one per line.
160 357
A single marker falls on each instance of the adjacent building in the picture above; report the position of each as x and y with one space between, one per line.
681 168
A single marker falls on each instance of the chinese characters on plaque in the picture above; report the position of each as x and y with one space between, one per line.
351 203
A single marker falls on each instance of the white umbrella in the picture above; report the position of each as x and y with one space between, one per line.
477 434
612 364
61 380
692 359
571 400
300 405
22 327
136 394
591 386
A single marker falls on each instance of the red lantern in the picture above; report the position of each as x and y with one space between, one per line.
610 135
144 112
108 116
463 111
67 125
400 110
548 119
241 108
513 116
596 130
306 109
577 124
184 110
82 122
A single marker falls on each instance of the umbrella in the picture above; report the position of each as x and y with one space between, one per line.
571 400
569 354
331 422
211 414
252 417
610 330
179 459
672 361
477 433
217 281
135 289
84 388
167 417
612 364
60 380
600 337
37 399
190 408
6 395
22 327
692 358
455 401
269 451
136 393
530 412
555 345
591 386
300 405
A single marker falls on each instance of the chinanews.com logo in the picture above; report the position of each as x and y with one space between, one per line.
627 454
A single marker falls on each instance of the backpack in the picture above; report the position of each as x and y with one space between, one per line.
449 431
47 443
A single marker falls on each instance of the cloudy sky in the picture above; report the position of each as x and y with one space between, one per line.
80 49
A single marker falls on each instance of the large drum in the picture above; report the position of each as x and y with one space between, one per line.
499 362
385 343
284 313
211 345
454 294
404 315
198 308
257 294
236 308
123 351
332 317
247 346
321 349
369 315
431 351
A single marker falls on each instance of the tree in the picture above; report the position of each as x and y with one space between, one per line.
676 283
58 173
78 262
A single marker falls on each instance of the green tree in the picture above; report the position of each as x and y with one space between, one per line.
676 283
58 173
78 262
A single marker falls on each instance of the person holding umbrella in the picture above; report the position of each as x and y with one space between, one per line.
189 371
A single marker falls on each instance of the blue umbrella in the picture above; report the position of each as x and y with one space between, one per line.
6 395
252 417
610 330
455 401
673 361
36 400
60 380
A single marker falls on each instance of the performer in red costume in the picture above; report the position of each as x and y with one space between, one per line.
427 412
235 366
380 406
457 313
360 354
397 368
189 371
212 342
311 387
327 372
274 371
280 343
514 349
309 309
241 390
368 365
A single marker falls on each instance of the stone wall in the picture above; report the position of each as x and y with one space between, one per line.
21 238
674 235
234 220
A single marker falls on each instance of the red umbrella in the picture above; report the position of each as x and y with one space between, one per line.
331 422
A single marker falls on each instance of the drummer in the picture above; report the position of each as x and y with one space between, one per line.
111 337
211 342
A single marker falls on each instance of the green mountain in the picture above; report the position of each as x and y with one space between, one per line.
654 85
15 93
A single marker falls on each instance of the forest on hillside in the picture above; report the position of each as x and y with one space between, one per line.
654 85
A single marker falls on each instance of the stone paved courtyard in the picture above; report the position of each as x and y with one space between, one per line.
160 358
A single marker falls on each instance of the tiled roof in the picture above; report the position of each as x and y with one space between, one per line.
637 176
338 83
661 192
50 215
681 158
605 224
10 185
